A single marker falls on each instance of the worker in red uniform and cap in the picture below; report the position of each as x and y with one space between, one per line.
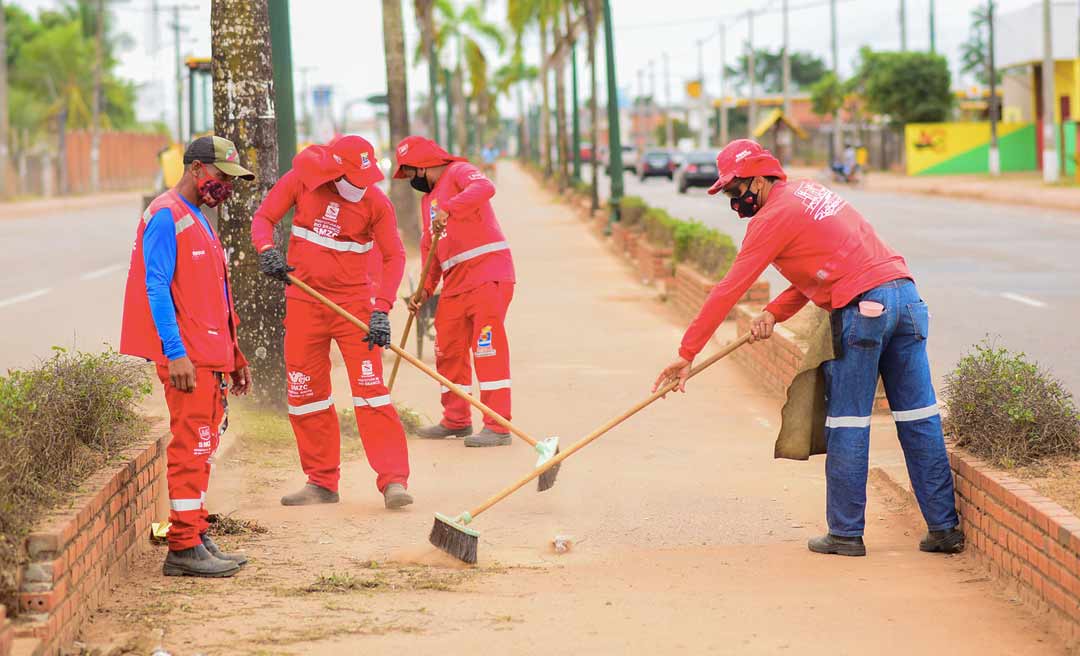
473 261
832 256
340 215
178 312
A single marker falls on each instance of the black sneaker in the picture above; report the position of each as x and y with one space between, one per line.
838 545
308 495
950 541
440 432
197 561
237 557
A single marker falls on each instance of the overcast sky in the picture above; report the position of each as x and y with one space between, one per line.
340 41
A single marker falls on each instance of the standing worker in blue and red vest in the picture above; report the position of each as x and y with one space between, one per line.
832 257
473 261
178 312
340 217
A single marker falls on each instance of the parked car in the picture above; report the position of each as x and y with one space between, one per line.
699 170
656 163
585 151
629 159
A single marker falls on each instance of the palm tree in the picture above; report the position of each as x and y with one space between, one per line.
465 30
517 75
559 67
592 10
398 108
425 14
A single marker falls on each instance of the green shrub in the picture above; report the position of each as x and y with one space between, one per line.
660 227
631 211
1008 410
710 251
582 187
59 422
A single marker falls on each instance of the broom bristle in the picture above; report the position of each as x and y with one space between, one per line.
455 539
547 480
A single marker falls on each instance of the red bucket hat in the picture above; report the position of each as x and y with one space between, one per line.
356 158
744 158
421 153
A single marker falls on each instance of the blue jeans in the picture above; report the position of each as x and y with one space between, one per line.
894 346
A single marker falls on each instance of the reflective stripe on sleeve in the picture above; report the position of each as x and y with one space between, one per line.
184 223
474 252
847 422
917 414
309 408
332 244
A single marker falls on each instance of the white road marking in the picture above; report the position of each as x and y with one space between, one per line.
25 297
1023 299
104 271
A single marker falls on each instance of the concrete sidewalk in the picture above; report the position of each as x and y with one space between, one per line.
1009 189
688 536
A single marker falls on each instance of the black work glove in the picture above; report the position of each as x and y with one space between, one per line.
272 263
378 330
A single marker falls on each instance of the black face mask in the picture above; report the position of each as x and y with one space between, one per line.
746 205
420 183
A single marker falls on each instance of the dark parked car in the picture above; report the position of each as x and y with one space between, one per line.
699 170
656 163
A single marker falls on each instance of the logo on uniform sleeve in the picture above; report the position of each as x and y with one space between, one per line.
365 163
484 348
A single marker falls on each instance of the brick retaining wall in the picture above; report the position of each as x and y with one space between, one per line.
76 554
653 262
692 288
1026 541
7 632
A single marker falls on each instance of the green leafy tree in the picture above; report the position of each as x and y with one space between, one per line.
906 87
680 129
827 95
806 69
974 53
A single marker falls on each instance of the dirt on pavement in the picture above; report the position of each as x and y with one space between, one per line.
687 536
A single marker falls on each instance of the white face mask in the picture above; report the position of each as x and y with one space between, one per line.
349 192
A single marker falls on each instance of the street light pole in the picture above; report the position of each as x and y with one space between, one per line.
784 136
575 121
751 74
703 134
723 87
614 140
1049 154
649 136
281 58
933 29
903 26
995 155
837 133
668 120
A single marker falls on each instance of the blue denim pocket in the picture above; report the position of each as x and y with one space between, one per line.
918 315
866 332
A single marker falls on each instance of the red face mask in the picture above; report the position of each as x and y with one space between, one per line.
212 191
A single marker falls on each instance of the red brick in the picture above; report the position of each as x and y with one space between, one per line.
1033 535
1038 583
1055 595
42 545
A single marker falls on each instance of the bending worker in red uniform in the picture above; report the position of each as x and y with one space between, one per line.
833 257
178 312
473 260
340 215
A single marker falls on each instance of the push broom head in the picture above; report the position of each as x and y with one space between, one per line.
548 449
452 536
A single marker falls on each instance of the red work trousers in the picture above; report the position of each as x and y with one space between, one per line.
309 327
194 420
468 327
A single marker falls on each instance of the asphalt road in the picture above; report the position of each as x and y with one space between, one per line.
987 271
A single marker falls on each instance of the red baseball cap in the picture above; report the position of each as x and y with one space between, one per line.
356 156
744 158
421 153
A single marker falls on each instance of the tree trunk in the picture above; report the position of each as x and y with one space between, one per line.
95 111
545 115
403 197
426 15
5 184
560 110
594 120
61 151
523 124
244 113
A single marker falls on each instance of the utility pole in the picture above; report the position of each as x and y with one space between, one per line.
784 138
837 134
751 75
650 135
723 86
305 101
1076 82
4 124
177 28
95 106
1050 160
284 99
933 29
639 113
669 135
575 123
995 155
449 111
903 26
614 140
703 137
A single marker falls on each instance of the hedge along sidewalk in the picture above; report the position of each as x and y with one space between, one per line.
77 553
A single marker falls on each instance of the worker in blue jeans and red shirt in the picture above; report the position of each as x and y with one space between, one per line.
833 257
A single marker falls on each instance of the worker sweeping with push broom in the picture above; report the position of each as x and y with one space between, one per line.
833 257
473 261
340 216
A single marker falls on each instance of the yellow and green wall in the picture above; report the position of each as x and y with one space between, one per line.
960 148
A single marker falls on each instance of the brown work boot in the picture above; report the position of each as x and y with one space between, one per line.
950 541
395 496
237 557
197 561
440 432
310 494
837 545
488 437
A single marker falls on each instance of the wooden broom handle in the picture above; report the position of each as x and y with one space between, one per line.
412 315
345 314
583 442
